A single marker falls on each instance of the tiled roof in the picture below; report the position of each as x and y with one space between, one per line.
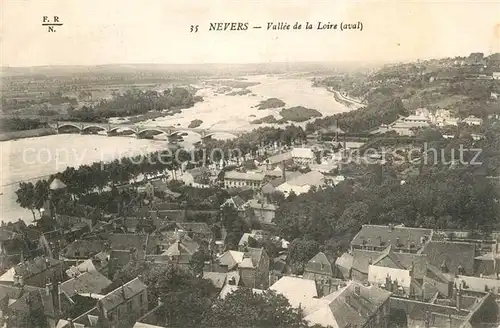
182 247
34 299
122 294
302 153
344 263
255 255
313 178
57 184
196 227
453 254
235 175
217 278
88 282
231 259
279 158
298 291
126 241
319 264
145 325
478 284
358 309
375 234
345 307
361 259
86 247
35 266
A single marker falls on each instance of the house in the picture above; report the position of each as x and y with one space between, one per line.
460 311
278 159
218 279
235 179
270 187
91 282
180 252
229 260
303 156
18 304
355 305
472 120
300 292
198 177
142 242
246 239
453 257
254 268
36 272
302 183
237 202
407 128
125 304
477 286
261 211
390 258
83 248
343 264
377 237
196 230
319 267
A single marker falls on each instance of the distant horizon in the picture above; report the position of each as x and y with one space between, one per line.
379 62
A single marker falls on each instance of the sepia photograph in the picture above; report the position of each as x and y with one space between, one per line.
250 164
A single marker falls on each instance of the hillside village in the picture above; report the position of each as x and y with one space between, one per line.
319 227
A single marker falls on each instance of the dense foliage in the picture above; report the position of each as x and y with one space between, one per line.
135 102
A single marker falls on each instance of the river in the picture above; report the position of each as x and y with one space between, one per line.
30 159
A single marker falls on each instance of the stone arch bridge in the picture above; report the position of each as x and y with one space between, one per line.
137 130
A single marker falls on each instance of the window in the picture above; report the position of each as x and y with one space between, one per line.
129 307
111 316
141 299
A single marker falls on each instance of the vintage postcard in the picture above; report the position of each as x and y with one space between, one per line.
250 164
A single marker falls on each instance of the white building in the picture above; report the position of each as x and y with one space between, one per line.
472 120
302 183
303 156
235 179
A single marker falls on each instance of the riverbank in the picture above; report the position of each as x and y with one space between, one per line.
6 136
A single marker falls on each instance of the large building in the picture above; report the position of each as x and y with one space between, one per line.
235 179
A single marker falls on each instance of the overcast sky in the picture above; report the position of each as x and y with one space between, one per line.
158 31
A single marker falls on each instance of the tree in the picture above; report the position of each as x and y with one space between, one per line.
300 252
26 197
244 308
197 262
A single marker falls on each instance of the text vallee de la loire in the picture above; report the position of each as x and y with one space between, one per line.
243 26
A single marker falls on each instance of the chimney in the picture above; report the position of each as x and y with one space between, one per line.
159 301
459 299
391 227
357 290
348 300
48 288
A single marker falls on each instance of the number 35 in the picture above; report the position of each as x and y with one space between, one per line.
194 28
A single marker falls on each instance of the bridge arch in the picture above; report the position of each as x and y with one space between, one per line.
125 128
160 131
221 135
64 125
177 132
88 127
